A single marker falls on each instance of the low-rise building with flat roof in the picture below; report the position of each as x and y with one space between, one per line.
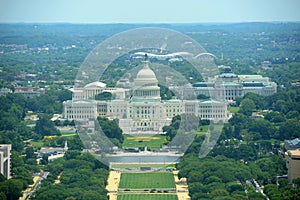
292 144
293 164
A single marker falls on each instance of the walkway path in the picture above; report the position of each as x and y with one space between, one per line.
113 184
181 187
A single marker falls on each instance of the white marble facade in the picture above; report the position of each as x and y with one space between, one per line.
144 111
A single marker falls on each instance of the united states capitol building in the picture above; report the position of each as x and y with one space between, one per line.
140 110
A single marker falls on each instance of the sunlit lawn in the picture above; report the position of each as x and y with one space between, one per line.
147 197
203 129
155 141
150 180
37 144
234 109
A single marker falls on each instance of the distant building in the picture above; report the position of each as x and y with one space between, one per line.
4 91
29 92
292 144
256 115
141 109
5 160
267 65
229 86
293 163
52 150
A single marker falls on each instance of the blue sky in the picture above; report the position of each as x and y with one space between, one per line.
148 11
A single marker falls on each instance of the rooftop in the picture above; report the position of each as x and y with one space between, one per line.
294 142
228 75
294 153
96 84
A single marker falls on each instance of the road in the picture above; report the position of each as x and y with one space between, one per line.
35 186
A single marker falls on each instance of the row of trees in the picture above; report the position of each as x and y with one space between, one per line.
280 121
247 149
80 175
216 177
112 130
14 130
283 191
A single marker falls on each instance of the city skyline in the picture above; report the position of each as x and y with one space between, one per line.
134 11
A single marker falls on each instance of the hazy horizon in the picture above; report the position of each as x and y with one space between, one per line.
148 12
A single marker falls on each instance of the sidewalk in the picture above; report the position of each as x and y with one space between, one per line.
113 184
181 187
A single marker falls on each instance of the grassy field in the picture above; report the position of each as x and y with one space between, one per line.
140 141
37 144
203 129
68 133
147 197
157 180
233 109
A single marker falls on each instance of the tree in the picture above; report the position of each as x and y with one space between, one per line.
23 174
91 195
14 189
283 182
219 193
44 160
29 152
45 127
247 106
63 95
111 128
81 176
281 106
296 181
71 154
233 187
31 161
263 127
275 117
104 96
202 96
258 100
293 114
290 129
172 129
2 196
165 93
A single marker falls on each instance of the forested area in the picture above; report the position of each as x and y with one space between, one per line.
112 130
76 176
14 130
247 149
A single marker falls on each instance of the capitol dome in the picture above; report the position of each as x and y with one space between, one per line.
146 76
146 73
146 85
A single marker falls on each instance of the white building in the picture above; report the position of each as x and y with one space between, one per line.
229 86
139 110
5 160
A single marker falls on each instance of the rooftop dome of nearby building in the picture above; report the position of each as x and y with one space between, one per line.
95 84
146 73
145 76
